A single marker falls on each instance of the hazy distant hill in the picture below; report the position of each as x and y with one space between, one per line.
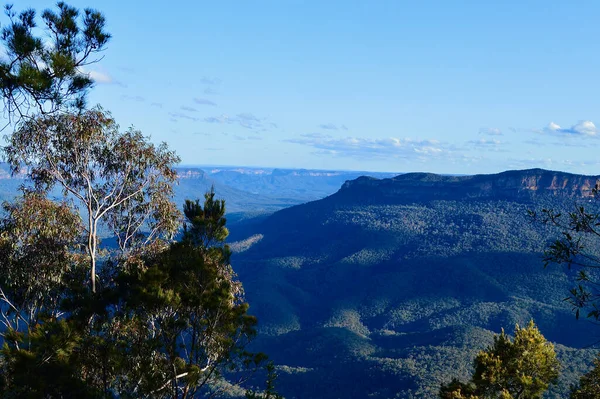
194 182
246 190
299 184
388 287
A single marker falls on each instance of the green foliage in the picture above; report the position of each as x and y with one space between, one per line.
45 363
458 390
189 309
589 384
38 255
119 180
170 319
43 70
510 369
205 225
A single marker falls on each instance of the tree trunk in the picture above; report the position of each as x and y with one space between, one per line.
93 272
92 246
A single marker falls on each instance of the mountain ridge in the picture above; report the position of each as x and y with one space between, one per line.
512 184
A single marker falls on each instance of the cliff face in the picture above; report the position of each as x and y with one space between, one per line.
520 185
191 173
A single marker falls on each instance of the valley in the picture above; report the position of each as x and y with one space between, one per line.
389 287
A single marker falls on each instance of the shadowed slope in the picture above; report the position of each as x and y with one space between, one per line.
395 261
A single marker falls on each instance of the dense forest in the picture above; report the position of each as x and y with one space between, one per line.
407 279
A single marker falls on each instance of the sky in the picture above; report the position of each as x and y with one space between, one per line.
400 86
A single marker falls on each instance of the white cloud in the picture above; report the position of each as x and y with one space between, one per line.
100 77
372 148
553 126
581 128
486 142
490 144
247 120
490 131
586 127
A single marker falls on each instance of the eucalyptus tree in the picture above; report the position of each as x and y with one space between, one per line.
38 244
119 180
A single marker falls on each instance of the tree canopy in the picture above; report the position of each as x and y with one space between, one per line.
169 321
521 368
44 69
119 180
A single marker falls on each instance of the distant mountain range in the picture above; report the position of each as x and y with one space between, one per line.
389 287
246 190
194 182
298 184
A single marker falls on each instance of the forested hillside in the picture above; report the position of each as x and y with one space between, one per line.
389 287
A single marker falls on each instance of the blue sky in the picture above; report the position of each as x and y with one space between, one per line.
437 86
